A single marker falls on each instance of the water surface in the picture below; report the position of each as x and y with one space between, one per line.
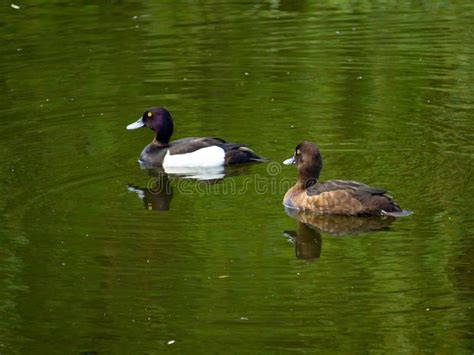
93 258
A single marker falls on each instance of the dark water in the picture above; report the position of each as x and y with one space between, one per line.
87 263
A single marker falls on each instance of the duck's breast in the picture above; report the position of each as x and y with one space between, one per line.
152 156
294 198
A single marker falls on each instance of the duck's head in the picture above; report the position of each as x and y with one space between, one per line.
308 159
157 119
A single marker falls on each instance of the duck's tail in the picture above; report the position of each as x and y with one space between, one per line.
259 159
402 213
239 154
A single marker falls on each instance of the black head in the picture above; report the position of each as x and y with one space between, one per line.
308 159
157 119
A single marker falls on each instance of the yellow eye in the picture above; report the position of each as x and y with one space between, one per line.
297 152
149 114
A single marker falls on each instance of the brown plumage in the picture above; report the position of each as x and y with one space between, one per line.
342 197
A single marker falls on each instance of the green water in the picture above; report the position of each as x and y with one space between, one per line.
88 265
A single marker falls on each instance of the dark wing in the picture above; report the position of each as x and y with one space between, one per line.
357 188
189 145
236 153
371 200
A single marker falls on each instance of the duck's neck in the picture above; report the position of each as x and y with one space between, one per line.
163 134
305 183
159 143
308 174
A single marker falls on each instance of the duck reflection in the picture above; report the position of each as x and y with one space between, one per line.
307 241
307 238
214 173
209 174
158 193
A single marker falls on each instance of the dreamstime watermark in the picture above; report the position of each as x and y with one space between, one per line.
272 183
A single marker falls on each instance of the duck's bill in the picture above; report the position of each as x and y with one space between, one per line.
289 161
136 125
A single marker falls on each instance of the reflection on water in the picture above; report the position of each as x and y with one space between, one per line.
196 173
341 225
307 238
158 193
216 173
307 241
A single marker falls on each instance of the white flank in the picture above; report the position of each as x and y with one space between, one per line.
202 158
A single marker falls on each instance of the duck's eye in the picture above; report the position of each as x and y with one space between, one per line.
149 114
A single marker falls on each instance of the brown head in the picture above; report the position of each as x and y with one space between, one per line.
308 159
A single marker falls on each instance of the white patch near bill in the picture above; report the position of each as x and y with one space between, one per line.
202 158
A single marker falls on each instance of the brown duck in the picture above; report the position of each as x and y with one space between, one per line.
341 197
